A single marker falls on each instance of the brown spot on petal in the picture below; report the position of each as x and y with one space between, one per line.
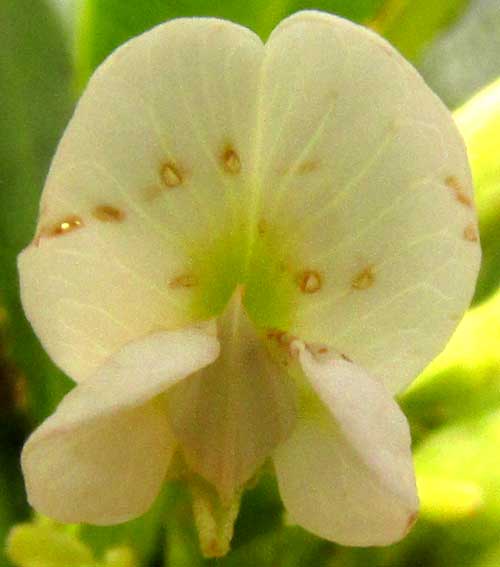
108 213
230 160
454 184
184 281
309 281
345 357
412 518
307 167
279 336
171 174
67 225
364 280
285 342
470 233
319 351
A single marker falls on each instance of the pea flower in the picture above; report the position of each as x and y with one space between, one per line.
244 251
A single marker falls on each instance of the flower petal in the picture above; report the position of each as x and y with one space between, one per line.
347 475
231 415
102 456
147 174
103 472
366 177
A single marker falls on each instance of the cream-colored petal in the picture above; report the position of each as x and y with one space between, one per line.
101 472
146 177
147 367
103 455
365 176
229 416
346 472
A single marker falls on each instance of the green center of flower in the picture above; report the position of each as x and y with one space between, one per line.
261 265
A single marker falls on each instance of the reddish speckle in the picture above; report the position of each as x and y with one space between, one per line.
470 233
183 281
65 226
171 174
307 167
412 518
309 281
230 160
108 213
454 184
364 279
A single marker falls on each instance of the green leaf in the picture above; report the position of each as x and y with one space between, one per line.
411 24
459 479
120 557
286 546
479 123
45 545
35 103
182 548
488 558
464 380
11 505
261 511
106 24
471 47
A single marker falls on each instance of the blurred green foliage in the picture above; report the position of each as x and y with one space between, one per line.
142 535
454 407
37 544
44 543
466 56
479 120
411 25
35 102
106 24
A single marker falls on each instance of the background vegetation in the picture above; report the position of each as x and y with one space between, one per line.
47 52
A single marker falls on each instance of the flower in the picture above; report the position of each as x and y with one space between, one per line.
243 253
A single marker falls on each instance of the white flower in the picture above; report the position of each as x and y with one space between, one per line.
243 252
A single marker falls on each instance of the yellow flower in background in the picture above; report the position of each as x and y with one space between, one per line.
243 253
